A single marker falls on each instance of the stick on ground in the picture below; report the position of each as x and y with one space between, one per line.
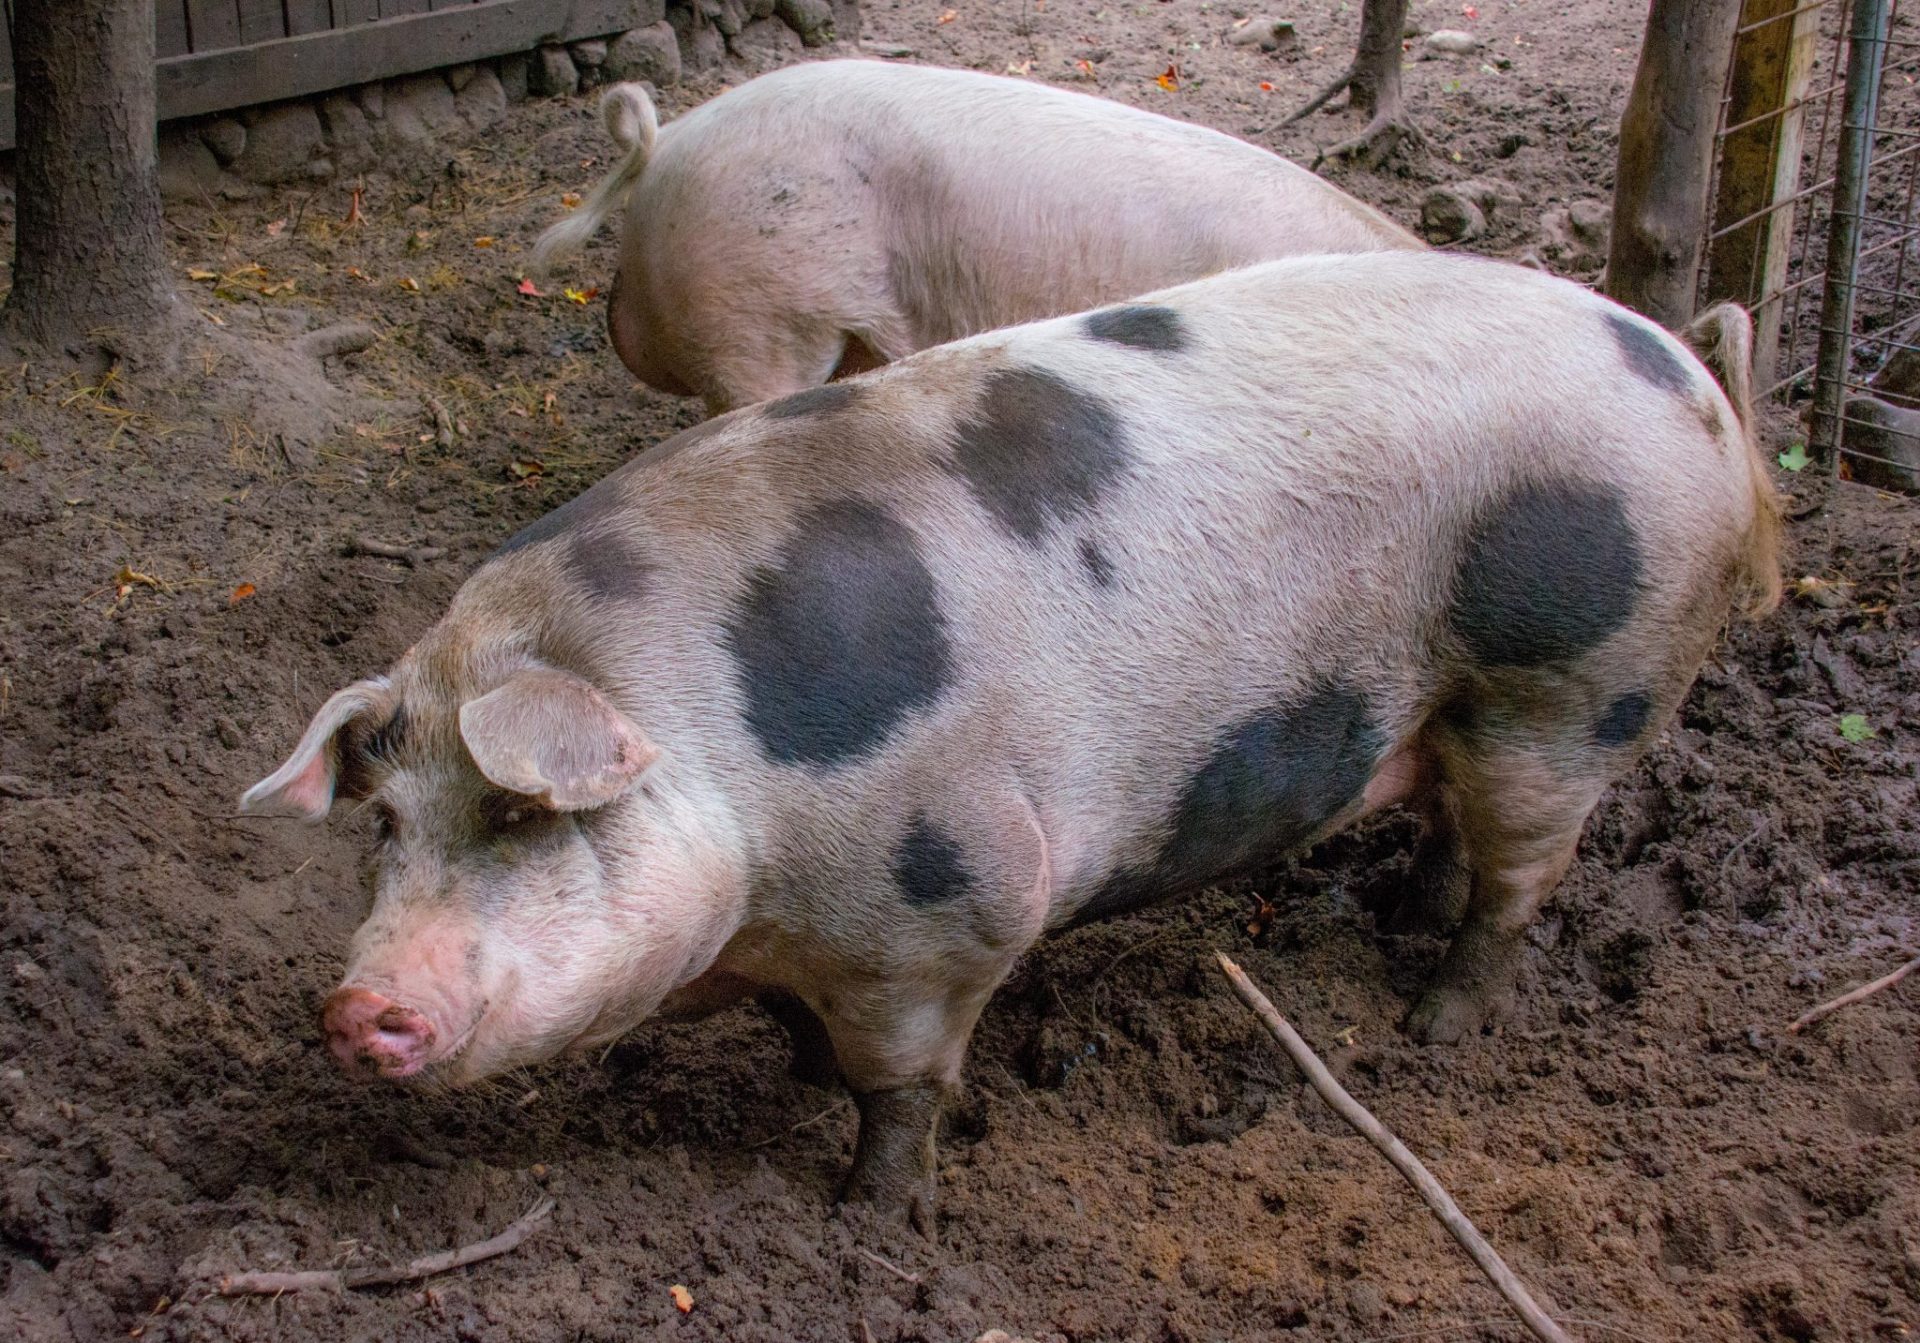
1395 1151
346 1279
1853 996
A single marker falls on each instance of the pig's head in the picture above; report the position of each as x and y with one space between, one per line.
543 878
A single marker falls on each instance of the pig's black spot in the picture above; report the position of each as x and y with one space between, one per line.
1547 575
1094 560
604 498
821 400
1648 356
842 640
1038 450
1144 326
608 564
1624 720
1271 784
929 867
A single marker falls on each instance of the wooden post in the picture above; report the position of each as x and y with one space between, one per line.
1760 167
1666 157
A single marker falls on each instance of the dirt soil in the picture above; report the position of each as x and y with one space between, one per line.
1133 1159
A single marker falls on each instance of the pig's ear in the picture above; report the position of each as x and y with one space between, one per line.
304 786
549 735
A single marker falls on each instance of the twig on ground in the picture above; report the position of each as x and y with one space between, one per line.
833 1109
1827 1009
347 1279
1395 1151
413 556
889 1266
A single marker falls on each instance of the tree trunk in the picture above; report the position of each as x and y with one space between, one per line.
1376 61
89 263
1666 157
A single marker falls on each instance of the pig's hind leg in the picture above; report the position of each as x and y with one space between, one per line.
1519 791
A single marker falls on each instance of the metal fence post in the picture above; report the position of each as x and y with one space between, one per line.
1866 54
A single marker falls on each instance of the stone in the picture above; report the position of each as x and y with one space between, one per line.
1449 42
553 73
1268 34
226 137
1448 215
846 20
651 53
1881 446
767 44
812 19
349 136
483 102
189 170
459 76
701 46
513 76
282 141
760 9
1898 380
589 54
372 99
420 109
1575 235
730 16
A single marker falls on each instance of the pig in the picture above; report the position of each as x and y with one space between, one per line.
834 216
854 695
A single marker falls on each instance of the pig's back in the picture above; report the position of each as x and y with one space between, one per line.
1077 554
978 201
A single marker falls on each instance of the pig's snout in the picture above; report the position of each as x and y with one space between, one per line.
373 1036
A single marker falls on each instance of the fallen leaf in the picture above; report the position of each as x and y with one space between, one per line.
276 228
417 240
484 240
575 295
1024 68
1169 79
525 468
947 16
1855 727
548 402
355 273
1470 11
1795 458
284 287
240 594
354 217
1266 86
528 288
1084 67
571 199
408 283
682 1298
198 274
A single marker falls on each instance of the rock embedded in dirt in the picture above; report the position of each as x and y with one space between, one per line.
483 101
767 43
420 109
1268 34
349 134
1449 42
459 76
651 54
513 75
1462 211
1575 235
812 19
590 54
281 142
189 170
226 137
552 74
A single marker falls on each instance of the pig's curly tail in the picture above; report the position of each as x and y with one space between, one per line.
1722 337
634 126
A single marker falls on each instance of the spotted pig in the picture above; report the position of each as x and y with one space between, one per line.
853 696
834 216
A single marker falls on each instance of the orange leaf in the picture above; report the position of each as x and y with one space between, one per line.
571 199
1470 11
948 16
408 283
682 1298
525 468
1085 68
276 228
483 241
355 273
240 594
1170 80
1266 86
528 288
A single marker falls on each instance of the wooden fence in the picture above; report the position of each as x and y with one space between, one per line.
219 54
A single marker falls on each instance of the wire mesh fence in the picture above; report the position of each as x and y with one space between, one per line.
1815 227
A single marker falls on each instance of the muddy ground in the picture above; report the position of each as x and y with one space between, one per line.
1133 1160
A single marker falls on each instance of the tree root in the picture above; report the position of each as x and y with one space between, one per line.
1377 141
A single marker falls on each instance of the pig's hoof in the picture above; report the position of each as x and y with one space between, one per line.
1446 1016
912 1200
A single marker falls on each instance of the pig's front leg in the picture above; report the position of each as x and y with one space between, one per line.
894 1161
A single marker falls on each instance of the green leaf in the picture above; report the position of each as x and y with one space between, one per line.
1795 458
1855 727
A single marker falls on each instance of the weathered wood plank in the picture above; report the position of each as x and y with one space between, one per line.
316 62
393 9
308 16
169 31
213 25
1760 165
262 21
347 12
